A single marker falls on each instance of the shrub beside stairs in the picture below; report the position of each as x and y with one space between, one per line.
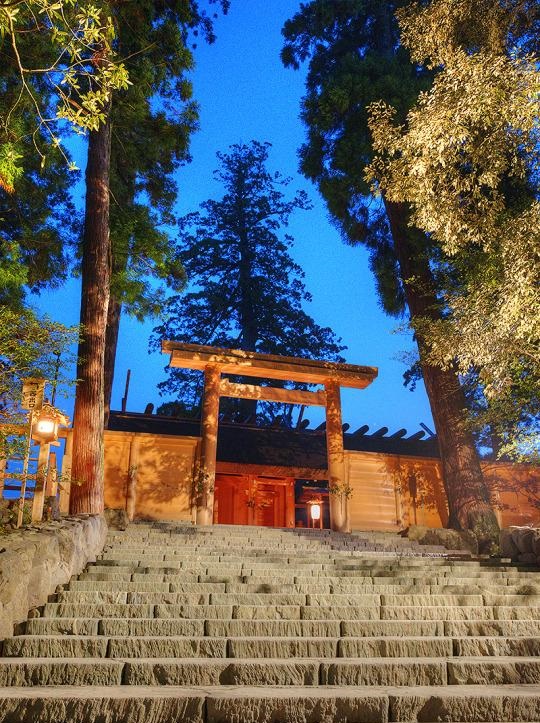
235 624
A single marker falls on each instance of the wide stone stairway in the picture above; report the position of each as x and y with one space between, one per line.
177 624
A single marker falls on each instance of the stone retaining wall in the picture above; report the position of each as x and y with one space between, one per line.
34 561
521 544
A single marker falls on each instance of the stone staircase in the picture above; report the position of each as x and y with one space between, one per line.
235 624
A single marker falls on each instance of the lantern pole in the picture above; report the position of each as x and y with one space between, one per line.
24 475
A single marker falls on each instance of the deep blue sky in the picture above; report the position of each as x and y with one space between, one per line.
245 93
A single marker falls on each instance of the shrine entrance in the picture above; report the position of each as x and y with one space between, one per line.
215 362
254 500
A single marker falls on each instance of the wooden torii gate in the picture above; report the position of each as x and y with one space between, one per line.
214 362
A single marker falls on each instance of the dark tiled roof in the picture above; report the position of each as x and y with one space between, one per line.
248 444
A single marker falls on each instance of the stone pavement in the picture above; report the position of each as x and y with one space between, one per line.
248 625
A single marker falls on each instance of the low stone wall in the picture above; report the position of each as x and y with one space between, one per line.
521 544
34 561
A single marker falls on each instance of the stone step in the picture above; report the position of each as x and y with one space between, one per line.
119 641
145 581
417 671
86 646
499 646
150 585
317 628
166 574
115 626
289 612
358 561
285 569
491 628
59 671
522 630
119 585
327 545
459 613
278 672
231 704
258 556
99 610
259 545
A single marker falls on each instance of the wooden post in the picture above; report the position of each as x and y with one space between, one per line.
52 507
65 483
3 465
131 492
339 507
41 481
206 477
51 486
289 504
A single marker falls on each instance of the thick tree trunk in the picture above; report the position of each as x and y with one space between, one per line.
87 469
468 497
114 312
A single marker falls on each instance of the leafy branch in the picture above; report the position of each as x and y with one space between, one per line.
81 75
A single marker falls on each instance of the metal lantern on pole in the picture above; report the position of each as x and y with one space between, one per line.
45 424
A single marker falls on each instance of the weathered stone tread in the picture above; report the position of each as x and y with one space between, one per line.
210 704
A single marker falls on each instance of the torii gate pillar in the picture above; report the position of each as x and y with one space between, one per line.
338 499
206 477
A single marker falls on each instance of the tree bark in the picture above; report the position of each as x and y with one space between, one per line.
114 311
466 491
87 469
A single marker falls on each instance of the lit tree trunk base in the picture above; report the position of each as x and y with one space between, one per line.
87 469
468 497
467 494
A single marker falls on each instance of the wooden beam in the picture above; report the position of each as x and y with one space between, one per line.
261 470
272 394
270 366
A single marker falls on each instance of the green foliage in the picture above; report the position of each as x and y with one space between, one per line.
37 218
466 161
38 226
152 122
246 291
30 346
354 58
10 169
69 46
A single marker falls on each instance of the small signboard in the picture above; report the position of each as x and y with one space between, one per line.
32 394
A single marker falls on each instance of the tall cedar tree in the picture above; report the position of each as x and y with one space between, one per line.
155 36
152 124
247 292
355 59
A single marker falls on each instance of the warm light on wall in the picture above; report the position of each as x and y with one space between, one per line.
315 512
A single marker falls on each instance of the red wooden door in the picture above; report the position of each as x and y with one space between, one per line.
230 498
251 500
